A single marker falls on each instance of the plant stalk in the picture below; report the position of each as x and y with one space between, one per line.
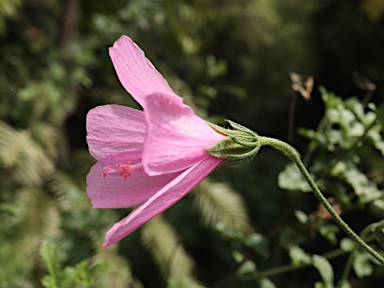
292 153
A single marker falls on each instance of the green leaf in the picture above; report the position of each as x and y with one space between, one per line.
379 203
329 232
374 135
180 283
362 265
292 179
299 256
378 233
366 191
345 285
325 269
380 114
320 285
258 243
347 244
266 283
49 254
246 268
301 216
348 171
230 233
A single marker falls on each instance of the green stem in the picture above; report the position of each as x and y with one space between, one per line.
347 268
292 153
348 264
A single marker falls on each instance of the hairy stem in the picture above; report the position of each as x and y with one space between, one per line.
349 261
292 153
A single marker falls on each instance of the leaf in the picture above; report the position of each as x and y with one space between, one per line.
348 171
375 137
301 216
329 232
246 268
117 274
362 265
379 203
299 256
366 191
347 244
258 243
266 283
325 269
179 283
49 253
380 113
292 179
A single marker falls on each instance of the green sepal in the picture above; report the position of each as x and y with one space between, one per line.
241 143
228 149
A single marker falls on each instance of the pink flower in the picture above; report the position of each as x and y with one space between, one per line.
151 158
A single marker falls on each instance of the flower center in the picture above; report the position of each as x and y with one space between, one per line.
123 169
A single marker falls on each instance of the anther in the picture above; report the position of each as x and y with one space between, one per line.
124 170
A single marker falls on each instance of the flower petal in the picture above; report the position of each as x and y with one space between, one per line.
136 73
176 136
113 129
115 191
162 200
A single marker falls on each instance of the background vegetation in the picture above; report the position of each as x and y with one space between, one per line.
249 226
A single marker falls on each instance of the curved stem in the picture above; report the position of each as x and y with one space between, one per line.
349 262
292 153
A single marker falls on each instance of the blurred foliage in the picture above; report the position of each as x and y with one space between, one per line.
373 8
227 59
81 274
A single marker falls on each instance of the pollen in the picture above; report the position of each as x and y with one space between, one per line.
125 170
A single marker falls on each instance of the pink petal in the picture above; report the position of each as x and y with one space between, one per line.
176 136
115 191
137 74
113 129
162 200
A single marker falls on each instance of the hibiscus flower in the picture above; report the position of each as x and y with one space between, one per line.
149 159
